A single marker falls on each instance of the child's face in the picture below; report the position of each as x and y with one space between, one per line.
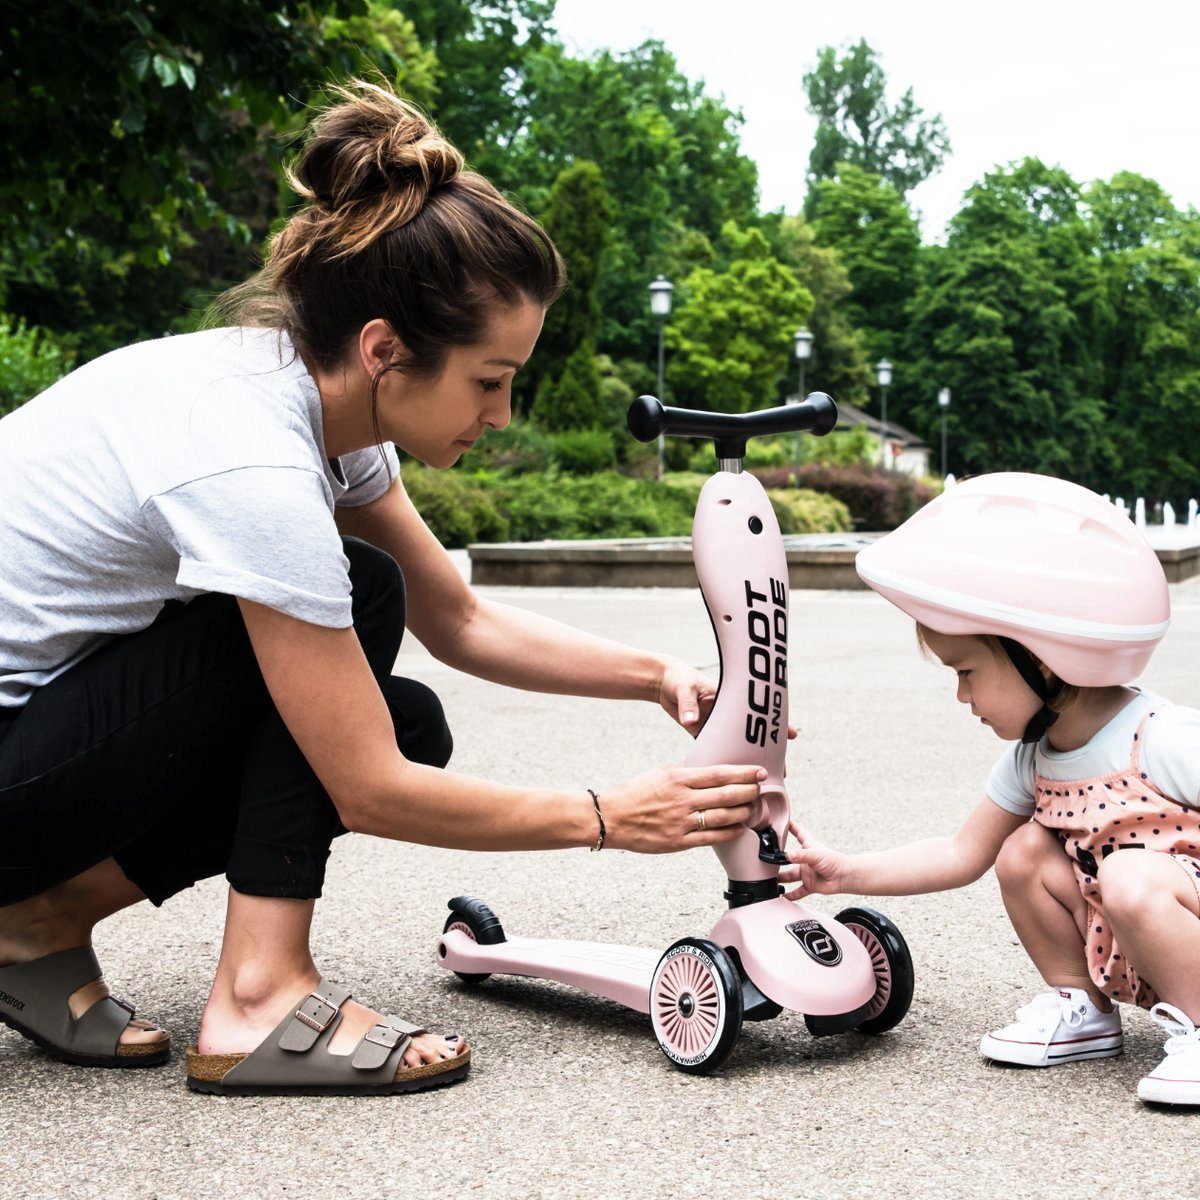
988 682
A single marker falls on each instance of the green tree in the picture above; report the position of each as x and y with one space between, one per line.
670 158
864 218
1006 316
731 339
1150 268
839 364
571 399
855 123
578 218
121 214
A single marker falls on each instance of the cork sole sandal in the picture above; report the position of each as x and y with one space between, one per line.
294 1059
33 1003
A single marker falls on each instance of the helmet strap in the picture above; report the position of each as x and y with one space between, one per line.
1037 683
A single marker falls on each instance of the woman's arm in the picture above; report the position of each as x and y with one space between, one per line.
496 641
934 865
327 696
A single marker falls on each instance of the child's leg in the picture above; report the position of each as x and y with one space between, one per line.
1037 881
1152 904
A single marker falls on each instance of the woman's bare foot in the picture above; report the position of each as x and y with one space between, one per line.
238 1018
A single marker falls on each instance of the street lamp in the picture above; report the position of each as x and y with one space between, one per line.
944 404
660 306
883 376
804 348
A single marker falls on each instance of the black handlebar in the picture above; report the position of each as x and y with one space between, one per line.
649 417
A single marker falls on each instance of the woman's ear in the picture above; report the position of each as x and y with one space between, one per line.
379 347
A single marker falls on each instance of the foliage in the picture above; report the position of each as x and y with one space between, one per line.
839 357
731 341
876 499
877 239
578 219
454 506
1007 317
602 505
521 446
584 451
571 401
856 125
30 361
800 510
849 447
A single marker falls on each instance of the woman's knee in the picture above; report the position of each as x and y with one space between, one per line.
1026 855
422 732
375 576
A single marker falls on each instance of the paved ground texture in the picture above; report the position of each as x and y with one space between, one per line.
570 1097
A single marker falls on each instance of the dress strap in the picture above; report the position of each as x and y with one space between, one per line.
1138 738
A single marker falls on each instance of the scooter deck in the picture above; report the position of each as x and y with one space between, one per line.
621 973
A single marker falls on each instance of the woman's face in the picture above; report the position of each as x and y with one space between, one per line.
988 682
438 419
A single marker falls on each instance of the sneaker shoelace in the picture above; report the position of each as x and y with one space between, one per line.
1047 1011
1181 1033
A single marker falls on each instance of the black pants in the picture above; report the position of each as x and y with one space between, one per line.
164 751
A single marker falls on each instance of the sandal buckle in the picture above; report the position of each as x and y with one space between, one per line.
315 1022
383 1035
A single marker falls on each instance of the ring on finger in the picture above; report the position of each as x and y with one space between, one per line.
701 821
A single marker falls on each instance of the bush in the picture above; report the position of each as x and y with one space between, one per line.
877 499
584 451
603 505
30 361
521 446
460 509
802 511
572 400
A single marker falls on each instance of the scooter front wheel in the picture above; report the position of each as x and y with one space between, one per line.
696 1005
474 918
893 965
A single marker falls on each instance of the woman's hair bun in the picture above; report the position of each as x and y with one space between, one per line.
375 150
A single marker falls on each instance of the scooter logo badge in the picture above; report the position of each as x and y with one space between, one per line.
817 942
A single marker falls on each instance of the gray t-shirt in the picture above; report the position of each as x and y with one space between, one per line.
1169 754
161 471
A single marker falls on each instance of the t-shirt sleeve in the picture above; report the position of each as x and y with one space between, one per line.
1010 784
368 473
1171 753
263 533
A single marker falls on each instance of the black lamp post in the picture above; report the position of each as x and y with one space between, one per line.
804 348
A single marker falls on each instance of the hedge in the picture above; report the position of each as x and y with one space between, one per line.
876 499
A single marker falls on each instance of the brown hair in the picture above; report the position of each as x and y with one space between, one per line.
1067 694
392 227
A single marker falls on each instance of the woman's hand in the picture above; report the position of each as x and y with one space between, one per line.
677 808
818 870
687 695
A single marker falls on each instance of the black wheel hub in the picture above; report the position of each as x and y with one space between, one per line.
687 1004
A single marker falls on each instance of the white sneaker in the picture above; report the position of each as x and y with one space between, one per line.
1056 1027
1176 1080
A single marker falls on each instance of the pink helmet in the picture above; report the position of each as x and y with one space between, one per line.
1044 562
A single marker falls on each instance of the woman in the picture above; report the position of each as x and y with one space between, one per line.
206 566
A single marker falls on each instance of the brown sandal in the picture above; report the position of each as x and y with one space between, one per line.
294 1059
33 1001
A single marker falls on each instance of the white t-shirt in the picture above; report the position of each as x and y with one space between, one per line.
1169 754
161 471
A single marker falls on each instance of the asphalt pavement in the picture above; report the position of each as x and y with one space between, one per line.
569 1095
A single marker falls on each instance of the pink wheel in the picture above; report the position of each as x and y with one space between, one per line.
696 1005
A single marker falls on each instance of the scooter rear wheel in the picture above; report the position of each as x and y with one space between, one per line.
696 1005
893 965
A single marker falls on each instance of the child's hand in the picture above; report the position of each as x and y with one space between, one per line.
818 870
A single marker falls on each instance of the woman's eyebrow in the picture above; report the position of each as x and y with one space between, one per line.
503 362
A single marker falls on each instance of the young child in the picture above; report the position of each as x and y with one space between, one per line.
1046 602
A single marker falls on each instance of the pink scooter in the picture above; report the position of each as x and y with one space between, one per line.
766 953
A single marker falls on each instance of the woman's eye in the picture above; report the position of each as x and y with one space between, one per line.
962 674
491 385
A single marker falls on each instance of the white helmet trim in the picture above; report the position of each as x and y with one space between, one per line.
1022 618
